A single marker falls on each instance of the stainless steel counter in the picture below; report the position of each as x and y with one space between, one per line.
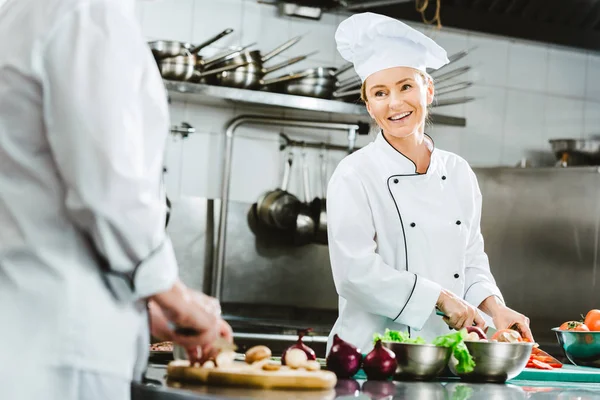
450 389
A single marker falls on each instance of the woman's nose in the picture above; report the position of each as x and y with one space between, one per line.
396 100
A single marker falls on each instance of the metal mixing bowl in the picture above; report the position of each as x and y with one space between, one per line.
581 348
495 362
418 361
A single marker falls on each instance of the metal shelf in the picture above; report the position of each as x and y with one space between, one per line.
195 92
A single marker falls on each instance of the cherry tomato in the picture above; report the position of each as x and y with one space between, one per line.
592 320
574 326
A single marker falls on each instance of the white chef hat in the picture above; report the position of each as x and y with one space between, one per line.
373 42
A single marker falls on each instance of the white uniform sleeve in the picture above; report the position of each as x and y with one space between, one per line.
99 91
479 282
360 274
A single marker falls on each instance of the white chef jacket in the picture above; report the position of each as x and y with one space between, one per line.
83 124
397 237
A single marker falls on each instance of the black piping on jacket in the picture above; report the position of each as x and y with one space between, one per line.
400 218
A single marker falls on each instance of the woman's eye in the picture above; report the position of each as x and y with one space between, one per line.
406 86
379 93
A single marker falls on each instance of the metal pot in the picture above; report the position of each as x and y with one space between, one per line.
169 48
255 57
576 152
251 77
183 68
313 82
305 224
279 208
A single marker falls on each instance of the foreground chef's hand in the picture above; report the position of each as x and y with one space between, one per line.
506 318
159 324
197 355
186 308
459 313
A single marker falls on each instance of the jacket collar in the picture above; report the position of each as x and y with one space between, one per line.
403 165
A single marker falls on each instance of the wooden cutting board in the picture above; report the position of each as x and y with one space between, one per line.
568 373
242 374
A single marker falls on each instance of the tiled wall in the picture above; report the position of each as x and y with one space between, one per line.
526 94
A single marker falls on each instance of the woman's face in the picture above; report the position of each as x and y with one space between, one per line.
397 99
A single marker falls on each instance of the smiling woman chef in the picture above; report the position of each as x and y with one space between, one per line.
403 216
83 124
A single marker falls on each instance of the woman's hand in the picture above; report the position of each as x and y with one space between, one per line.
506 318
459 313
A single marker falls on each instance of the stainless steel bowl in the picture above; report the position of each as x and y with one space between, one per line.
581 348
418 361
494 362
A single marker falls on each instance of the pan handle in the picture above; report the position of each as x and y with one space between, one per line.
287 168
286 63
284 78
280 49
305 180
215 71
353 80
226 55
452 88
451 74
343 69
337 95
323 173
196 49
449 102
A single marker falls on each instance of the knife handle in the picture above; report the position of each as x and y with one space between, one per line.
183 331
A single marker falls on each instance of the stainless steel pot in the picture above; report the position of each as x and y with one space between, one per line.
183 68
169 48
255 56
251 77
576 152
313 82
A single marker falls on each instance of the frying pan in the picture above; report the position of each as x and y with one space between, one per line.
278 208
305 224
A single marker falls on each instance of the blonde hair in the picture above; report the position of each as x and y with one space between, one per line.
427 79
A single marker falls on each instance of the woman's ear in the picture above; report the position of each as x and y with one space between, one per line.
430 91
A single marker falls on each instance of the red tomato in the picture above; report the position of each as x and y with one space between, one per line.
574 326
592 320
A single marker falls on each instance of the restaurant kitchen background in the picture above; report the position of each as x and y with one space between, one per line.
541 222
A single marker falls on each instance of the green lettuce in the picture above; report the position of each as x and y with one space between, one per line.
455 341
396 336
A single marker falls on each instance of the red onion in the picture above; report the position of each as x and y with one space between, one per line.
343 359
380 364
310 353
477 330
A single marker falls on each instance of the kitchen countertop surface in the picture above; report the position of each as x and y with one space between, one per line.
449 389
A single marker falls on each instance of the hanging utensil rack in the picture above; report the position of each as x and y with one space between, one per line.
285 141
